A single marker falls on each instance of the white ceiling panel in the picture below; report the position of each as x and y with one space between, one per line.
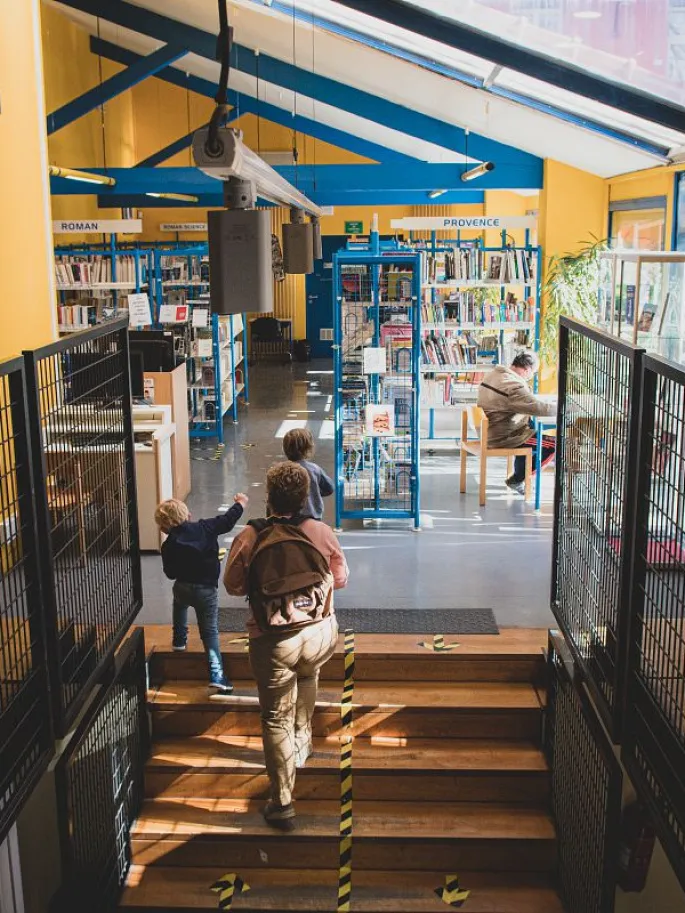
380 74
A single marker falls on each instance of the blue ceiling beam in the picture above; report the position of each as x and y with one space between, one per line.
312 180
337 94
553 71
163 154
110 88
245 104
332 198
635 142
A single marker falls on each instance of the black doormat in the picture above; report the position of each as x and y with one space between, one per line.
391 621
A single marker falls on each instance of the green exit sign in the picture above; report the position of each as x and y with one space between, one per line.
354 228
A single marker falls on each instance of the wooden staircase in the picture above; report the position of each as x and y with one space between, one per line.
447 771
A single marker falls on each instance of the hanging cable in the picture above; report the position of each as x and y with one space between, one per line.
296 154
102 104
314 139
259 117
224 43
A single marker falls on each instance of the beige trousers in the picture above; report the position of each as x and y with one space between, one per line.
287 673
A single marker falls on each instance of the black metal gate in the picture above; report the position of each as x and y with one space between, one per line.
586 788
599 405
654 733
100 786
79 402
25 727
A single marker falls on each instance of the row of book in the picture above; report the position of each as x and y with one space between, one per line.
512 265
449 389
454 351
465 309
94 270
476 265
185 269
73 317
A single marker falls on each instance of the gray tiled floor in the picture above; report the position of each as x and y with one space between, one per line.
497 556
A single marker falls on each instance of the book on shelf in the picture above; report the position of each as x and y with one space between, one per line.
513 264
180 269
457 351
73 317
93 269
510 265
464 308
449 389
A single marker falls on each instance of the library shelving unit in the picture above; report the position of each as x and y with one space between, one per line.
377 361
217 375
93 282
641 299
216 354
479 305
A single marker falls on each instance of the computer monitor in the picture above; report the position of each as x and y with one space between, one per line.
137 374
155 347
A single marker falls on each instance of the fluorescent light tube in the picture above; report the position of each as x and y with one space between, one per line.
434 194
478 171
236 160
87 177
183 197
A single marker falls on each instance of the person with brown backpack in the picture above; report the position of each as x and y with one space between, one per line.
288 567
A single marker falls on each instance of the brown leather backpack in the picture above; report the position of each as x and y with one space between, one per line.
289 582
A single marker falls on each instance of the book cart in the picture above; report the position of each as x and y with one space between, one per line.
377 363
479 306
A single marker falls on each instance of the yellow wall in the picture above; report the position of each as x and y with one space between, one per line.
504 202
71 70
573 207
27 311
655 182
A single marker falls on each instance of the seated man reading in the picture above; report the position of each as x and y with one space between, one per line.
509 403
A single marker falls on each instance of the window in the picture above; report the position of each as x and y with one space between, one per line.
680 213
638 224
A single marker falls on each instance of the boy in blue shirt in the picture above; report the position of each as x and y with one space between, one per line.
298 446
190 557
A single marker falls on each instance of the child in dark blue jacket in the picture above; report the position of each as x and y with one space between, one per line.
190 557
298 446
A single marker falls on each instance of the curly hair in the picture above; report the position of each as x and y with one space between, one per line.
287 488
171 513
298 444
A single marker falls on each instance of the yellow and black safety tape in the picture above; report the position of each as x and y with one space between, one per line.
452 894
346 742
216 454
438 645
227 887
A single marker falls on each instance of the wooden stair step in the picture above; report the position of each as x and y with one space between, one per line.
513 655
393 835
315 891
421 709
425 769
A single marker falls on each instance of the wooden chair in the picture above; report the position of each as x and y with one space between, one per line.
480 449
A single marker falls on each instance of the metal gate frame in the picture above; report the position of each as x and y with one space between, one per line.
586 787
594 619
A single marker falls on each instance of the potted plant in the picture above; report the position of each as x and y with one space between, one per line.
570 290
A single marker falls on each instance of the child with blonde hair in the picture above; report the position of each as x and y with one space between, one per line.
190 557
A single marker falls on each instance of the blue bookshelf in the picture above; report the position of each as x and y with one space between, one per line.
377 312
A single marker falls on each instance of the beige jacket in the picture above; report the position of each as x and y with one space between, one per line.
508 402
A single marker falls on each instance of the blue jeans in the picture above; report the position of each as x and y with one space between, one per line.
205 601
